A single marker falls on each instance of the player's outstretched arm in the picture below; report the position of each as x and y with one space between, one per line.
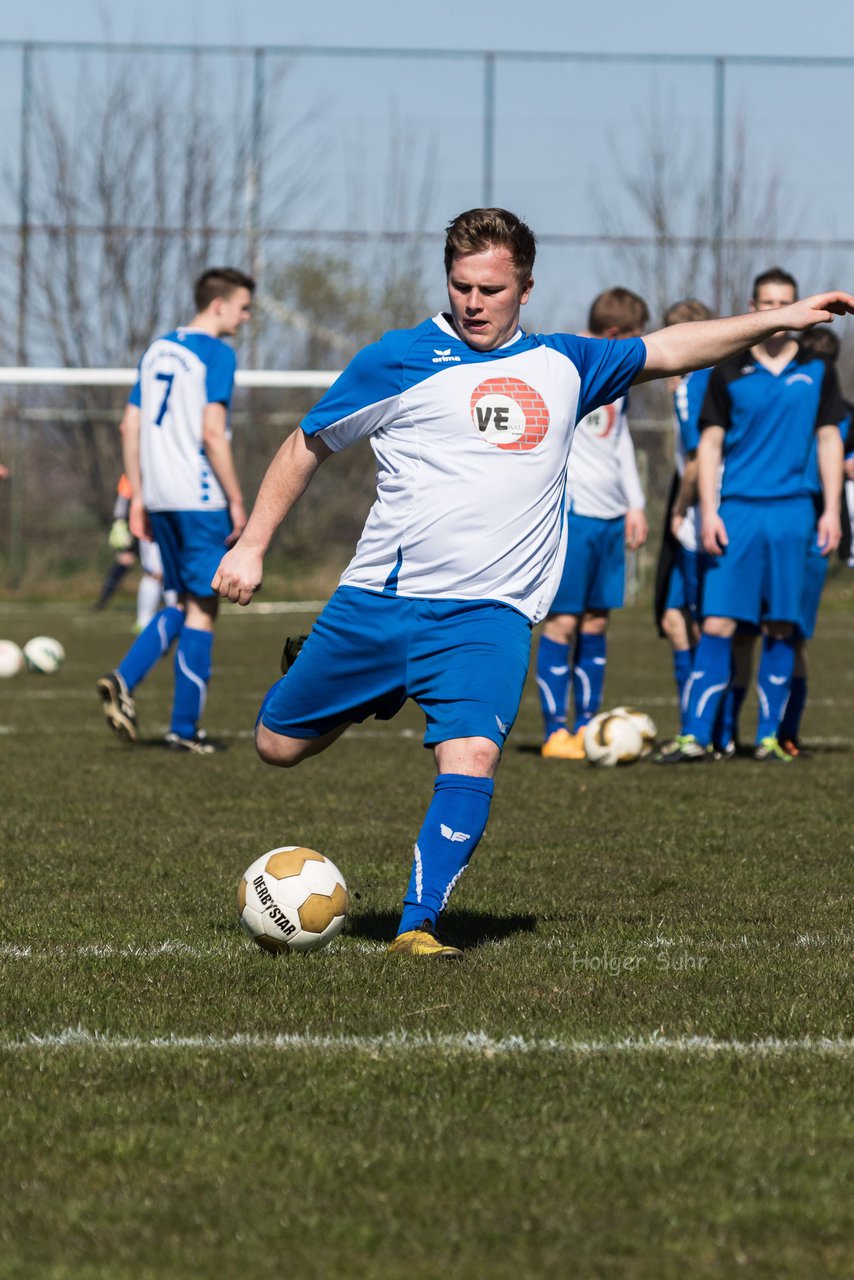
288 476
701 343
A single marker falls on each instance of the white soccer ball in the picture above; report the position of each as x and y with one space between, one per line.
611 739
44 655
11 659
646 724
292 899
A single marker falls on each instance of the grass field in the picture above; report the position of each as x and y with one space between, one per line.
642 1068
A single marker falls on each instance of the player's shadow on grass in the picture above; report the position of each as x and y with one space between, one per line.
462 928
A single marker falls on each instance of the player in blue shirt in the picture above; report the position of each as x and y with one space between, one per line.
677 594
176 442
471 420
762 414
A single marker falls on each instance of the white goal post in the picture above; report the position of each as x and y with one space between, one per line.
32 376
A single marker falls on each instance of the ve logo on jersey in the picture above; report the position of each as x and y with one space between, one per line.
509 414
601 421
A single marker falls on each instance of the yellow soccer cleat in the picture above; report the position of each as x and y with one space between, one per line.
423 942
563 745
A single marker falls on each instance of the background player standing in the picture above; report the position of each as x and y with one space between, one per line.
471 420
176 442
762 411
606 515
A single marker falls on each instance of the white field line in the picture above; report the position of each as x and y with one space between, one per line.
173 948
474 1044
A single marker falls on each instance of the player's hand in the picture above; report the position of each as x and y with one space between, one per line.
4 472
237 512
848 468
829 532
239 574
138 521
818 309
637 528
715 538
677 519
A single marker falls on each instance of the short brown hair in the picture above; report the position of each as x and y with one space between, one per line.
774 275
477 230
820 341
617 308
686 310
219 282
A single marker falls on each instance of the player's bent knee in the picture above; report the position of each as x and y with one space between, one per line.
276 749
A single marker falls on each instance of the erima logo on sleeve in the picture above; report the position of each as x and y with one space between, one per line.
445 357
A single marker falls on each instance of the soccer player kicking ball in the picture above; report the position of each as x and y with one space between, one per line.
763 410
606 515
471 420
185 494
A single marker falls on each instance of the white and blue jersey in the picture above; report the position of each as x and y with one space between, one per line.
472 450
178 375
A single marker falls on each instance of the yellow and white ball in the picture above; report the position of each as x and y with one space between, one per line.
292 899
646 724
612 738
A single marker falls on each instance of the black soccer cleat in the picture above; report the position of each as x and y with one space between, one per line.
198 745
290 653
684 749
119 706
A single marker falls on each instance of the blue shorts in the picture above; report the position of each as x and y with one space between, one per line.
463 662
815 577
594 572
761 572
191 543
683 590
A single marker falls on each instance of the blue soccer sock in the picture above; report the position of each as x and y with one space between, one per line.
588 677
774 683
452 827
729 711
192 675
553 683
683 663
709 681
790 725
150 645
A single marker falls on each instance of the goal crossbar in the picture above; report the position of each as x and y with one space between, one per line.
28 375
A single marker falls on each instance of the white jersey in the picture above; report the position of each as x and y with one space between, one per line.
602 477
179 374
471 451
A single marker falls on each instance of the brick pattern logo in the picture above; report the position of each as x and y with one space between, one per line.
509 414
601 421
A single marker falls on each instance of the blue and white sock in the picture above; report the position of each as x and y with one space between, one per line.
683 664
707 685
790 725
192 676
150 645
553 672
452 827
729 711
588 677
774 683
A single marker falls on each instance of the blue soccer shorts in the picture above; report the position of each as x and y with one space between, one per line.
463 662
191 543
815 576
761 572
683 589
594 572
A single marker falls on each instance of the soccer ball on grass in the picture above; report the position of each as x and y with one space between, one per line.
292 899
646 724
44 655
11 659
611 738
